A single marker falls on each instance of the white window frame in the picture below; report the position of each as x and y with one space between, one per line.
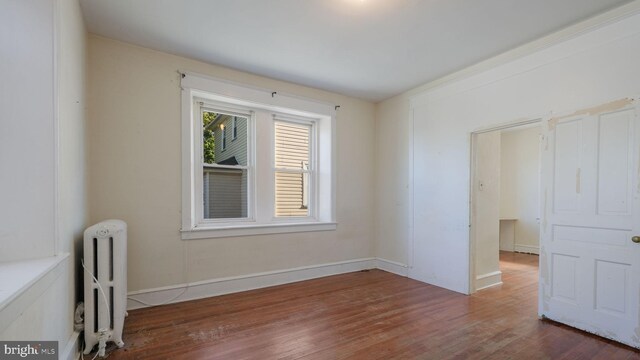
201 105
312 198
264 104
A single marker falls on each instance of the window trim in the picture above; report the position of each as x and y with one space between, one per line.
241 96
312 196
202 105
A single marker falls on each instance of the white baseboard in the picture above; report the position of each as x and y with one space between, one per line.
392 267
506 248
215 287
488 280
527 249
71 350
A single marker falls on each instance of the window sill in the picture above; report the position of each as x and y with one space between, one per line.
248 230
23 282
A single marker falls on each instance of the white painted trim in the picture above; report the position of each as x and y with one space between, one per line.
488 280
56 38
474 286
234 284
261 102
187 163
568 33
471 283
313 195
247 230
71 350
215 287
392 267
527 249
31 279
246 95
333 166
411 232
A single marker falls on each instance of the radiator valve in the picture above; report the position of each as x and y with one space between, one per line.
102 341
78 319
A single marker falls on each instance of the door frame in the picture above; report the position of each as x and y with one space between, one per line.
472 193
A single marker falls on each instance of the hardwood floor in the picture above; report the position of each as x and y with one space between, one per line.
365 315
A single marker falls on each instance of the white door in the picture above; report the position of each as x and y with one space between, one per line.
589 264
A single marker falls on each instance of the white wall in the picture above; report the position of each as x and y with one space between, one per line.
134 112
27 194
486 209
588 69
507 235
31 140
392 195
73 174
520 185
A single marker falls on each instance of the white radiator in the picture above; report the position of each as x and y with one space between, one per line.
105 301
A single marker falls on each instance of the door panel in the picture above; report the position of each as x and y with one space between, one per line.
564 276
590 268
612 279
607 237
614 163
568 141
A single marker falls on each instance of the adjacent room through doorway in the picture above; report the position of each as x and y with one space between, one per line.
505 197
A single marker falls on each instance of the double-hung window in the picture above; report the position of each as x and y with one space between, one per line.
276 173
294 167
226 173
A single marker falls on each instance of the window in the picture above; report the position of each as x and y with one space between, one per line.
224 137
234 133
274 176
293 168
225 173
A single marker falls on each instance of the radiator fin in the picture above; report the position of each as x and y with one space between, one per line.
95 313
110 258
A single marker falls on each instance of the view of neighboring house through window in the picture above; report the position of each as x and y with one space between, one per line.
224 136
224 168
234 131
293 168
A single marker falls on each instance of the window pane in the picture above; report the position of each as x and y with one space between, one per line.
292 158
292 191
224 188
292 145
218 145
225 193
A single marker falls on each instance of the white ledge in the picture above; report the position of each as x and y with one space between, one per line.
23 281
248 230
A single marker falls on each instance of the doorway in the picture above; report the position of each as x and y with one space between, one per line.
505 199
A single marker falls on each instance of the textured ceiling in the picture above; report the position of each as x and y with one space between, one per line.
371 49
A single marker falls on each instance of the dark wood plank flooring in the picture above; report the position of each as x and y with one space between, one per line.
365 315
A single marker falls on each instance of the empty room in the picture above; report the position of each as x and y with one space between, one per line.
321 179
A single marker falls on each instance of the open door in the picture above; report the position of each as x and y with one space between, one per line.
590 255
